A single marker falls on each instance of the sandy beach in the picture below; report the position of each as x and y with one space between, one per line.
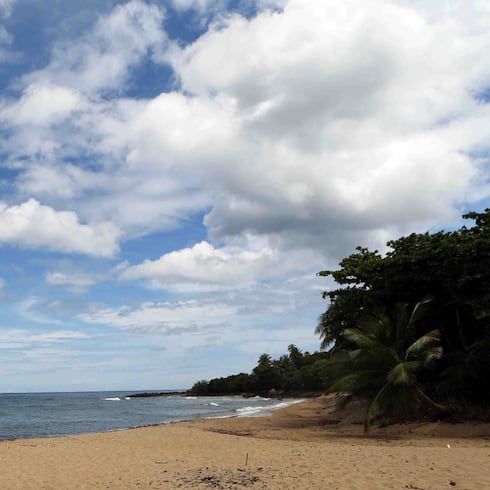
305 446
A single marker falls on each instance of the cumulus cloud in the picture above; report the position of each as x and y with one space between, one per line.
32 225
348 128
137 200
473 16
59 105
43 104
321 125
205 267
203 264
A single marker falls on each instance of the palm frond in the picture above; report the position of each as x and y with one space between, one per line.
431 354
376 364
358 337
403 373
419 311
359 382
347 383
422 343
377 405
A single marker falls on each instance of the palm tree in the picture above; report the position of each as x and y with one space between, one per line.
380 360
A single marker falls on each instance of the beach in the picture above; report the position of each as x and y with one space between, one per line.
304 446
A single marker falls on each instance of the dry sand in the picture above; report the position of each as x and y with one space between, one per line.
305 446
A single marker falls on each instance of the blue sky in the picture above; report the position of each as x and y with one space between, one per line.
173 174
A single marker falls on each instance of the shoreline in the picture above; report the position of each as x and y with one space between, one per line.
261 412
302 446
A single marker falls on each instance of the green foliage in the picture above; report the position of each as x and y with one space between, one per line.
451 270
201 388
379 361
292 373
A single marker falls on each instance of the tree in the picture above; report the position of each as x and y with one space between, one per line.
200 388
266 375
280 374
451 267
295 355
380 361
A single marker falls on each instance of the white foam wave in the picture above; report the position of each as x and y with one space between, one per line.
114 399
250 411
263 410
191 397
214 404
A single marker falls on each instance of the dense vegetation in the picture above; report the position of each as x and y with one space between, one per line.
294 372
410 330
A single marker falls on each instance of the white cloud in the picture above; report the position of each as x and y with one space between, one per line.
15 338
204 267
43 104
58 336
51 180
174 130
6 7
37 310
32 225
60 104
472 15
101 60
77 282
144 153
323 125
164 318
5 37
137 200
204 264
224 320
348 128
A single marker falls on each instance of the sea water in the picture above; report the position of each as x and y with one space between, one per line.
26 415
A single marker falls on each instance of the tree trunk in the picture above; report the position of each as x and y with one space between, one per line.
437 407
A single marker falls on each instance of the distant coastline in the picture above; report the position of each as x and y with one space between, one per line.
149 394
269 394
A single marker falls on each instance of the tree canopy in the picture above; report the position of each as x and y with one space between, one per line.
295 372
450 271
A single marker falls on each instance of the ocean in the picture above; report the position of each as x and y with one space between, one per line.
27 415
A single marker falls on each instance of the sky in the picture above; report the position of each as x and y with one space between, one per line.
174 173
